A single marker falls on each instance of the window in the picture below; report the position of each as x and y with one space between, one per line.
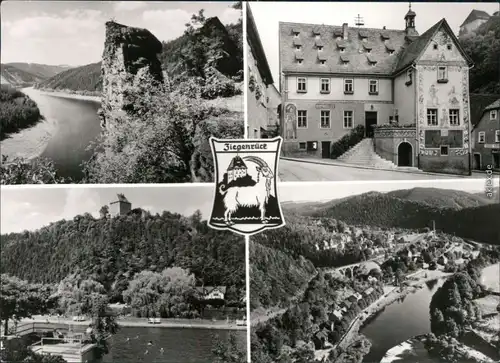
454 117
348 86
497 136
448 46
409 76
302 119
368 50
432 117
299 61
302 145
444 149
296 34
323 62
373 87
325 119
493 115
481 137
342 50
298 47
435 46
255 133
391 52
325 85
320 47
348 124
442 74
301 85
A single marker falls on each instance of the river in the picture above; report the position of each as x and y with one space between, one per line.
180 345
69 127
400 321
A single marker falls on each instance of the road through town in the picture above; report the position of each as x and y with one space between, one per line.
290 171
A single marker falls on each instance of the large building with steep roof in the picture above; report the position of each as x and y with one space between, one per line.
409 91
236 169
121 206
473 21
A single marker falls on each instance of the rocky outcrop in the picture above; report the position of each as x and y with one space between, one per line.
129 53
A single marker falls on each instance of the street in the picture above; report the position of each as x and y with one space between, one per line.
305 171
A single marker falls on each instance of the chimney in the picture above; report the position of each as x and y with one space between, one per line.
383 27
344 31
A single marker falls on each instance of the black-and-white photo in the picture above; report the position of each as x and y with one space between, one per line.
119 275
376 91
118 92
403 271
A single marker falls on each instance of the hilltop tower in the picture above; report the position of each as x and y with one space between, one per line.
236 169
121 206
410 22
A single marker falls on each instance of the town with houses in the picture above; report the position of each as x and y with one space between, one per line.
384 99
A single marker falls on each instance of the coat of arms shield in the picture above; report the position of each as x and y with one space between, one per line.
246 196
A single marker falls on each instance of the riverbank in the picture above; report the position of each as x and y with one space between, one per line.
143 323
63 94
391 295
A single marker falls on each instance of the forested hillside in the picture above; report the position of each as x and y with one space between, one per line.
17 111
27 74
483 47
382 210
275 276
112 250
85 78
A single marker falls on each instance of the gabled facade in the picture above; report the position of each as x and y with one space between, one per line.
486 139
334 78
212 292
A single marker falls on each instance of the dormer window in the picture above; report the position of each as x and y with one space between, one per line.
448 46
299 58
435 46
391 52
299 61
442 74
363 34
320 47
344 60
322 58
298 47
342 50
390 48
371 60
385 36
295 33
322 62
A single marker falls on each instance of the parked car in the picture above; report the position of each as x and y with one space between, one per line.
157 321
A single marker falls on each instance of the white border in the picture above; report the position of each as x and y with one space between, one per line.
245 73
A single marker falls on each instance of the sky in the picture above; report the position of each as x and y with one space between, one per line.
29 208
375 14
72 32
324 191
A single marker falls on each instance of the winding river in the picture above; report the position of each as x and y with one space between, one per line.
64 136
400 321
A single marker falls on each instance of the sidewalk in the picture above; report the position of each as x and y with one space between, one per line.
332 162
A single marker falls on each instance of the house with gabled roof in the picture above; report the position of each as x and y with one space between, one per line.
473 21
236 169
410 92
211 292
486 139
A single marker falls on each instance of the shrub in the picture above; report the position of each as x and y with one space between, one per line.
155 142
217 85
23 171
347 141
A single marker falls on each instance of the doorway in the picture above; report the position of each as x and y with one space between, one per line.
325 149
405 154
496 160
477 161
370 121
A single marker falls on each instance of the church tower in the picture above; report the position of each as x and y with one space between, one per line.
410 22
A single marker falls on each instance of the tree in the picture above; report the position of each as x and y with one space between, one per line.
104 211
19 299
167 294
228 351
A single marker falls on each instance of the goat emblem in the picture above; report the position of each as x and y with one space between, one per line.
246 198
